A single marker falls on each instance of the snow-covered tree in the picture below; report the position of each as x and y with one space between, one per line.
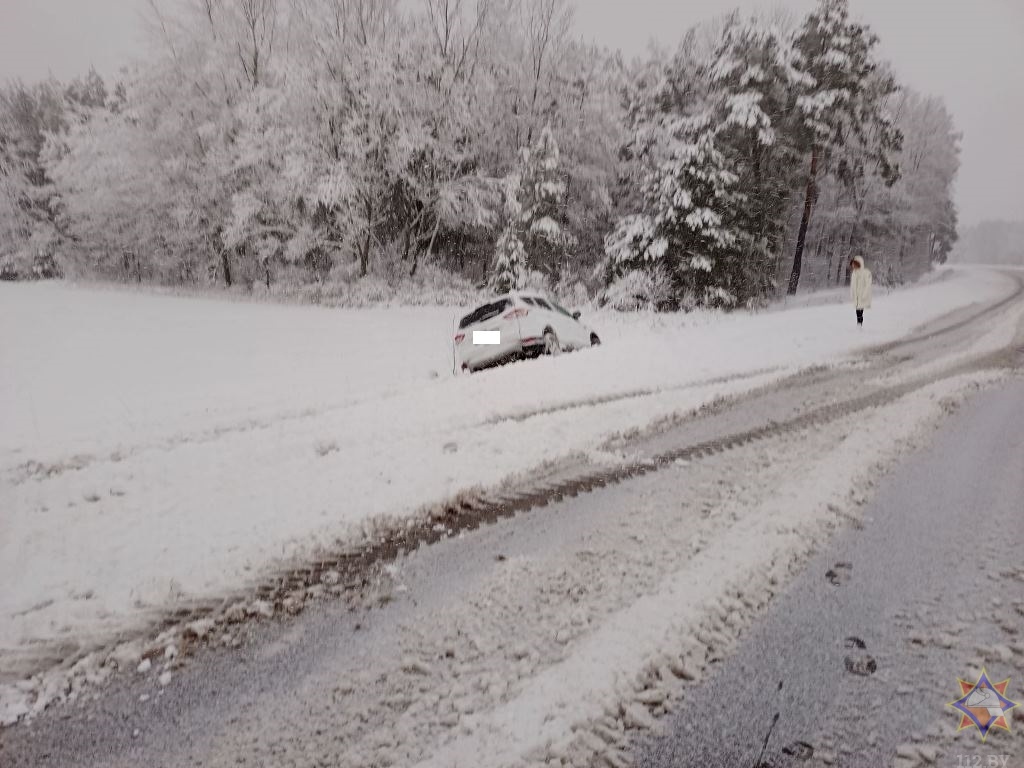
754 76
841 115
510 268
929 162
510 265
542 195
29 203
542 190
717 180
694 197
902 227
634 243
264 141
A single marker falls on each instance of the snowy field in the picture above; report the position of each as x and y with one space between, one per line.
154 448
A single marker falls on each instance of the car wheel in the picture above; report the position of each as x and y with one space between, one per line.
594 340
551 343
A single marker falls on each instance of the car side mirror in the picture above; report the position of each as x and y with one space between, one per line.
576 315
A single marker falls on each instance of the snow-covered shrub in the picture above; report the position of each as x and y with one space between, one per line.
46 267
536 281
8 268
575 294
431 286
718 297
436 286
572 282
640 289
369 291
38 259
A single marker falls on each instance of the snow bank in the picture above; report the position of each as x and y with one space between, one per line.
153 448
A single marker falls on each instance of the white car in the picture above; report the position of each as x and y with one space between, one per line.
518 325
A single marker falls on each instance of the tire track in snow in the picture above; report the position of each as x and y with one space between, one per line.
920 335
475 507
41 470
568 405
358 567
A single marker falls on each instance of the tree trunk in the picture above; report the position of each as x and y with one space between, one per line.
226 264
844 263
805 219
412 233
406 241
830 244
430 247
364 255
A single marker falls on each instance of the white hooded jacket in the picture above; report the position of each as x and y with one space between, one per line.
860 285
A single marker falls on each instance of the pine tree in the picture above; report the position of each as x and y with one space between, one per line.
840 105
753 76
715 197
542 190
542 195
532 216
634 244
510 267
687 231
694 194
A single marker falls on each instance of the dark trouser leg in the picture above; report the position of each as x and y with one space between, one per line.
860 317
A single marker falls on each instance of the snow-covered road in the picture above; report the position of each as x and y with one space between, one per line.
552 637
157 449
900 591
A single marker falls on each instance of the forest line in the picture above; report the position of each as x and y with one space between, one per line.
357 149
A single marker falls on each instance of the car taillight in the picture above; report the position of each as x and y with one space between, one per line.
459 337
516 313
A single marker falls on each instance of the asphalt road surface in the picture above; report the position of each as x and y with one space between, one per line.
932 583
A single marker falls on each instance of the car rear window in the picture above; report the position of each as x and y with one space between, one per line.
485 312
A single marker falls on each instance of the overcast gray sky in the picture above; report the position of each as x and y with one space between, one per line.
970 52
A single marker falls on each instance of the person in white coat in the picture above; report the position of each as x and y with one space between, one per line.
860 287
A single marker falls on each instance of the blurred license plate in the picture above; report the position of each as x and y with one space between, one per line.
487 337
